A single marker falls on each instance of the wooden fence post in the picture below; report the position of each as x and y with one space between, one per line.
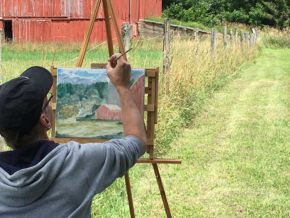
225 36
166 54
126 35
195 35
236 35
245 39
196 40
251 39
213 40
231 36
248 40
242 38
254 35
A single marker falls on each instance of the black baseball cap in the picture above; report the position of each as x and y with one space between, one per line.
21 99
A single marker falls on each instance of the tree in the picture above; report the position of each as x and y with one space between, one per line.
274 13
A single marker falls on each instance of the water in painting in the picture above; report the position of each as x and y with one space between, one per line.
88 105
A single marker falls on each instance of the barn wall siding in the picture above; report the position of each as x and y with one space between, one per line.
105 113
60 31
67 20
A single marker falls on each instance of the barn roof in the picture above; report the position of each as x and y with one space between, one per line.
112 107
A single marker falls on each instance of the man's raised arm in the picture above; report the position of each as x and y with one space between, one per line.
119 72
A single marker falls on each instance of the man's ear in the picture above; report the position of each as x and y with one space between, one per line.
44 121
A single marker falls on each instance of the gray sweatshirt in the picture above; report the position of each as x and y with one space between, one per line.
64 182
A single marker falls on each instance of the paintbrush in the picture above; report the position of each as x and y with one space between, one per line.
123 54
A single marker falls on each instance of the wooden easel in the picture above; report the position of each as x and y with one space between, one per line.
150 107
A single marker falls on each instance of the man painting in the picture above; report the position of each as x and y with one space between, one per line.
40 178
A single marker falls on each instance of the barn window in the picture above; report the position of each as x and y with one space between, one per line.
8 30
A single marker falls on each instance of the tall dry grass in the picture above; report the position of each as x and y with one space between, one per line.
195 72
194 65
273 38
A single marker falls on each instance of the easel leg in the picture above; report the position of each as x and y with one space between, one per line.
117 31
161 189
108 28
129 194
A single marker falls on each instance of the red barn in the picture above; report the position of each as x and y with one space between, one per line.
109 112
67 20
113 112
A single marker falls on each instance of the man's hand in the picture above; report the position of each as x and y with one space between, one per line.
119 71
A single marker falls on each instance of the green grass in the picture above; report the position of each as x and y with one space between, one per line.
236 153
18 57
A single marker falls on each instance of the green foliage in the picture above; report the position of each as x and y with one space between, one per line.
259 12
198 12
67 90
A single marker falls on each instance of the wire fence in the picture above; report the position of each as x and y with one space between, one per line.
227 39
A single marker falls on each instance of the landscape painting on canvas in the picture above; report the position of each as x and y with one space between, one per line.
88 105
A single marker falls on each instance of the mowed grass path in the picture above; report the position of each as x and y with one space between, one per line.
236 154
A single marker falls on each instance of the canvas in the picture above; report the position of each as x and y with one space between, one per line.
88 105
